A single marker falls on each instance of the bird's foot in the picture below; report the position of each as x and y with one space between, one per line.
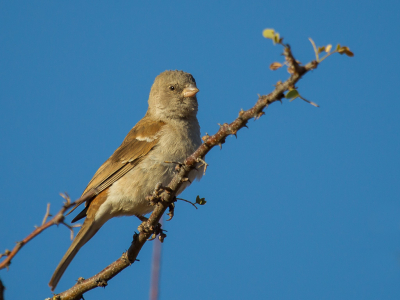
156 196
178 164
155 230
158 231
144 226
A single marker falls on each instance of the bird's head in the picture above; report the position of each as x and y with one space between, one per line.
173 95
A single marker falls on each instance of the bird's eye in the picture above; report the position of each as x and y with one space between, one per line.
172 88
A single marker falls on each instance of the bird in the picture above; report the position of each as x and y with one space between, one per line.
169 132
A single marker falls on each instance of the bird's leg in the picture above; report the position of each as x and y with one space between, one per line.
156 196
154 199
178 164
142 218
143 227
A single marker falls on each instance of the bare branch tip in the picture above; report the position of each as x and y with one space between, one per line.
47 214
188 202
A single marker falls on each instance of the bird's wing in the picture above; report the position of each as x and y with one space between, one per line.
142 138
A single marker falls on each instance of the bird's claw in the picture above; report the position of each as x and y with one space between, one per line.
171 211
156 196
178 164
158 231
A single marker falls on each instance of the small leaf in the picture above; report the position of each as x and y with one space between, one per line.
321 49
346 50
276 38
293 94
328 48
275 66
200 201
337 47
268 33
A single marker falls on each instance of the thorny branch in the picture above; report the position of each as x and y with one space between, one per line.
163 197
57 219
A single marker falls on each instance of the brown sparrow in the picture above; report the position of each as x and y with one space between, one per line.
168 132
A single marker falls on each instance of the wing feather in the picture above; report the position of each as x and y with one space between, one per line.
141 139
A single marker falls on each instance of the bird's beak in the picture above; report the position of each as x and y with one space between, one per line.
190 91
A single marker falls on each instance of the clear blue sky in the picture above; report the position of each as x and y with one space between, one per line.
303 205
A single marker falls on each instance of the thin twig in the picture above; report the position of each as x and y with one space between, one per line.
71 228
329 54
315 49
308 101
57 219
188 202
47 214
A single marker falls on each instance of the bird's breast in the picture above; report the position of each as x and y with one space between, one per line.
127 195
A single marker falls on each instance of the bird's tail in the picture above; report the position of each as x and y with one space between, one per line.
87 231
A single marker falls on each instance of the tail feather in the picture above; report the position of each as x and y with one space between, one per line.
87 231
